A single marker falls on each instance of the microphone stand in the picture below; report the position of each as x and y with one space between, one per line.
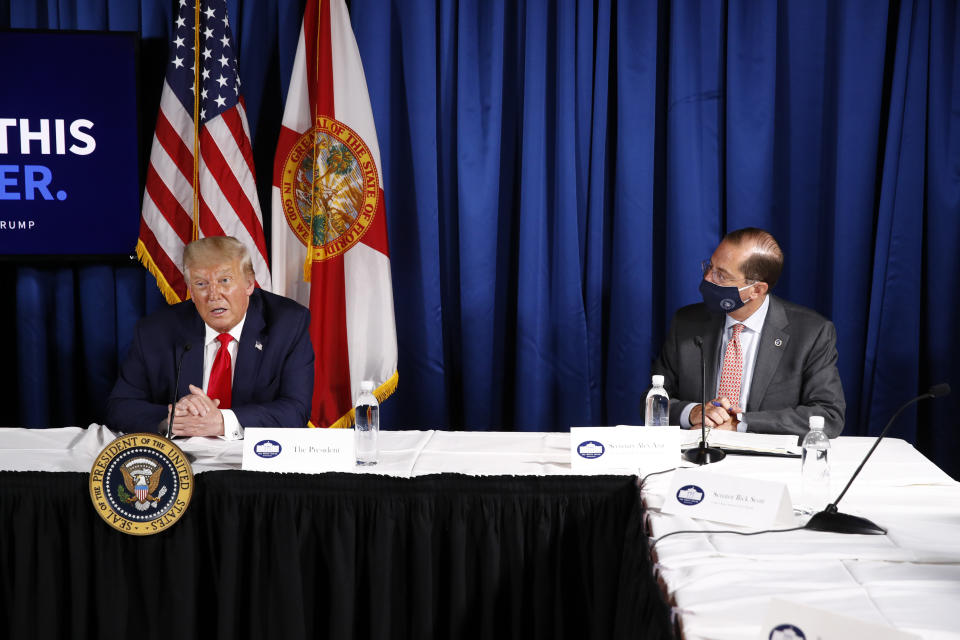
176 389
703 454
832 520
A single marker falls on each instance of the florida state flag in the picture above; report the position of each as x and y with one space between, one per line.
329 229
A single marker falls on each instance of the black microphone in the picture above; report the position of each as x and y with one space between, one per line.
835 522
176 387
703 454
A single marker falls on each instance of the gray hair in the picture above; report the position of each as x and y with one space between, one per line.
765 262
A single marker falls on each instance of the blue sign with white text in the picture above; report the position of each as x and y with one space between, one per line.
69 182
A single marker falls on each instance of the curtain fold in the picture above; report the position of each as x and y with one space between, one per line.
694 213
557 170
939 339
631 245
892 359
478 319
551 347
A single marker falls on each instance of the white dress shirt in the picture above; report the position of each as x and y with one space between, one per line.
231 425
749 343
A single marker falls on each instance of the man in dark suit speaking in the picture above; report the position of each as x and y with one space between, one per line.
247 355
770 364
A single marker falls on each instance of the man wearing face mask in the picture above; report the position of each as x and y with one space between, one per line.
770 364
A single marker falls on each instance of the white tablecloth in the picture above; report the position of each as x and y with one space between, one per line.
908 579
402 453
720 583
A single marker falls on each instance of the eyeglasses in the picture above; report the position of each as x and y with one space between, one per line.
720 278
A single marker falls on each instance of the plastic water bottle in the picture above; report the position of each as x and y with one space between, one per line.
815 468
658 405
367 425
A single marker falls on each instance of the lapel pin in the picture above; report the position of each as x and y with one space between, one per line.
778 342
259 347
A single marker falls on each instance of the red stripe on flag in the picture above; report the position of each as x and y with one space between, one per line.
328 331
231 118
219 169
376 235
209 225
208 222
172 143
171 272
176 216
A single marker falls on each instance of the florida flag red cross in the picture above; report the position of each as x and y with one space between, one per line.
329 228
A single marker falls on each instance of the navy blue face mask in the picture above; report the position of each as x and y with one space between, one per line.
721 299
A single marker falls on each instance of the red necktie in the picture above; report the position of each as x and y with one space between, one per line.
732 373
221 377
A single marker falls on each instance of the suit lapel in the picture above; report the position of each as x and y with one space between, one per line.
773 342
191 372
249 351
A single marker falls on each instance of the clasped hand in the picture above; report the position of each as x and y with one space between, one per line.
196 414
721 414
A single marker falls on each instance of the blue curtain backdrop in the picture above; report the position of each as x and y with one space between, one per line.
555 171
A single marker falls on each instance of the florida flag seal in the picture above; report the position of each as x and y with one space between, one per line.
329 229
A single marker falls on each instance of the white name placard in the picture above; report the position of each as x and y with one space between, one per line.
791 621
298 450
706 495
624 448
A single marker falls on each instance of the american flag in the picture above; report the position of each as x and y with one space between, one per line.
222 169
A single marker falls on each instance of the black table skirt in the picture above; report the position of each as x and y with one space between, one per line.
335 556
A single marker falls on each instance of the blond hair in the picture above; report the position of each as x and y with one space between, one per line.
215 249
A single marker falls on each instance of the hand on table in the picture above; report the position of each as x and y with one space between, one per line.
721 414
197 414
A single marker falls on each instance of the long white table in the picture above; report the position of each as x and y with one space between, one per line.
402 453
338 555
719 584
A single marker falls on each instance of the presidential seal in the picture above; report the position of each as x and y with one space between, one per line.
141 483
329 187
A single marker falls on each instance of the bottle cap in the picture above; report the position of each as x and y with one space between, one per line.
816 422
366 385
658 380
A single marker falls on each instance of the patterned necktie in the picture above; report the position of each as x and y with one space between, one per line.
221 376
732 373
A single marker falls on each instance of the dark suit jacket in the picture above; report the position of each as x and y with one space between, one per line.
795 375
272 385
